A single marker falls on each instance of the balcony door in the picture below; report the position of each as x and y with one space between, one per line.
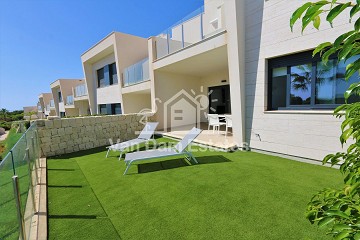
219 99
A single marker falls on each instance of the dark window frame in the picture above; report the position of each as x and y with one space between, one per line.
100 106
60 98
99 81
108 76
112 67
110 108
295 60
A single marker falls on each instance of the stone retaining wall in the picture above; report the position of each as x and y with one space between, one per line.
67 135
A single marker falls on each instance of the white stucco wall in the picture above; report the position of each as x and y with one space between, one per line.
108 94
136 102
72 112
166 86
61 106
213 13
83 107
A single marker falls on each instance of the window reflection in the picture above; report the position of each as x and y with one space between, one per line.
300 87
331 84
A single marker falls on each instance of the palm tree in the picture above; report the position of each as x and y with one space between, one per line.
302 80
4 112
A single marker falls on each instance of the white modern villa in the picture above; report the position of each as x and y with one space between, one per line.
229 57
110 67
63 97
44 105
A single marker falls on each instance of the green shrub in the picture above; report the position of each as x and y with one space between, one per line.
27 124
5 125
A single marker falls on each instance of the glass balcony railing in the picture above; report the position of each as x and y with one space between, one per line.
191 29
52 104
81 90
136 73
70 100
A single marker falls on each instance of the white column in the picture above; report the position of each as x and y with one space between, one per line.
235 25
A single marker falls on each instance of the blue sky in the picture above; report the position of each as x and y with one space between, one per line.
42 40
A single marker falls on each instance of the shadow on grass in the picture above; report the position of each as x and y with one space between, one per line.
10 182
8 234
72 216
150 146
177 163
79 153
61 169
65 186
12 199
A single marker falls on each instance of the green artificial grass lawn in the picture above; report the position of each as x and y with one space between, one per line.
240 195
9 142
9 228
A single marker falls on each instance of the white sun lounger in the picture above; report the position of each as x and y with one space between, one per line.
144 136
178 149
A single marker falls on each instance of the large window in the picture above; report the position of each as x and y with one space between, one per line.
107 76
113 74
102 109
101 77
110 109
302 82
60 97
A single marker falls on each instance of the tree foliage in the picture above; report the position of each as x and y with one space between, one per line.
338 210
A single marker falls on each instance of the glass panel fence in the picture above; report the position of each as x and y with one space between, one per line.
193 28
22 161
80 90
9 226
136 73
70 100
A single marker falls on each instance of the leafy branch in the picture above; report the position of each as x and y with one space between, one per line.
338 210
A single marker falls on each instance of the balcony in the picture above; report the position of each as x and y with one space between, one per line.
137 73
80 91
190 30
69 100
52 103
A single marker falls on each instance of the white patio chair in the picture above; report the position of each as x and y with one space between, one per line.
228 123
143 137
214 122
178 149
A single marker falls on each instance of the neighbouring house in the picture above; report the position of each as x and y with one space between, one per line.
31 113
81 99
44 105
63 97
116 72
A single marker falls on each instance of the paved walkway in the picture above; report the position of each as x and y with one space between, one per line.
3 137
207 137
